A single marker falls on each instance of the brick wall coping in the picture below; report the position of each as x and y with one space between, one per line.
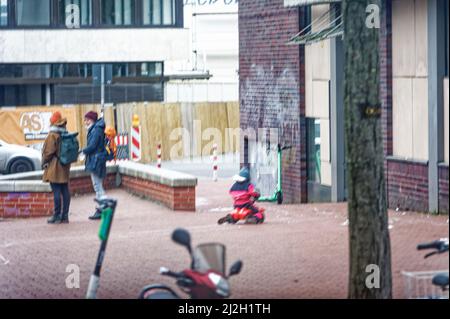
406 160
443 164
31 181
29 176
75 172
157 175
17 186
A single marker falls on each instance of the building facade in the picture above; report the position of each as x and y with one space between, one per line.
291 78
214 52
55 51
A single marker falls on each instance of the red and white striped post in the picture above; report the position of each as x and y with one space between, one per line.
118 140
135 139
158 154
215 162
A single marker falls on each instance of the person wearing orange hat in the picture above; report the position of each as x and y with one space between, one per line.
54 172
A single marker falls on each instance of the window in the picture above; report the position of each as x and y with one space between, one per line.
313 161
159 12
145 69
118 12
3 12
33 12
25 71
85 7
77 70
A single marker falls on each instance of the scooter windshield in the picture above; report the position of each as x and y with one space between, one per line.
210 257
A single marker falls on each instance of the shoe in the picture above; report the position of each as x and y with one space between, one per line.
97 215
226 219
55 219
65 219
251 220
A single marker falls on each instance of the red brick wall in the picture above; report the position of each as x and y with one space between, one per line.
176 198
443 189
24 205
385 47
406 181
271 85
83 185
407 185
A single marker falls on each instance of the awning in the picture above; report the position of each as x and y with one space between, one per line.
291 3
328 25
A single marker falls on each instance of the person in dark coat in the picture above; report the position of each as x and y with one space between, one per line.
95 155
54 172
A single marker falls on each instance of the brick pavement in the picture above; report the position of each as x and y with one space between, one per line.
301 252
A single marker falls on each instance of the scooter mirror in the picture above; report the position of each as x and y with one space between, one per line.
182 237
235 268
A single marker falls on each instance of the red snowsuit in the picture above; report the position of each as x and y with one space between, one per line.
242 194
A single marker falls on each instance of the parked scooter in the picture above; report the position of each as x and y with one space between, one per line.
107 206
205 279
277 195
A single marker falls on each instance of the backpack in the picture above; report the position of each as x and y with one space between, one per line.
68 148
110 145
110 150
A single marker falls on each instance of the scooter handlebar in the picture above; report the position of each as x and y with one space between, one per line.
182 280
440 246
166 272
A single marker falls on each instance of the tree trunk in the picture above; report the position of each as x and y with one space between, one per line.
368 220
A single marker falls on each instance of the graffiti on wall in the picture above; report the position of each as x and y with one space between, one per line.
276 116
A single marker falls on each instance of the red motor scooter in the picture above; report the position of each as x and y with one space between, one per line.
205 279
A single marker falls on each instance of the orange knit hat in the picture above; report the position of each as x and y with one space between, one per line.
56 117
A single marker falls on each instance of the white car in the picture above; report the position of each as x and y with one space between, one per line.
18 159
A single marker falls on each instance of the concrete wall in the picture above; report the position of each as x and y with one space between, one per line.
95 45
410 83
201 91
317 86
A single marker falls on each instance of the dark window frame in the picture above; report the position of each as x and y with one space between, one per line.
41 26
8 13
174 14
55 18
50 79
114 26
60 15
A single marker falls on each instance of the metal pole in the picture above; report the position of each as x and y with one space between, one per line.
436 66
103 87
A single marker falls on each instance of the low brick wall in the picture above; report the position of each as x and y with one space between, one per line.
25 195
407 184
172 189
443 188
81 183
23 199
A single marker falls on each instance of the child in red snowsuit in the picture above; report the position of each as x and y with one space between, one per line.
244 195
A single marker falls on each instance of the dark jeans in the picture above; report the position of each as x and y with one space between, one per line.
58 191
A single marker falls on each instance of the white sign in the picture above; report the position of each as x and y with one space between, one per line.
35 125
